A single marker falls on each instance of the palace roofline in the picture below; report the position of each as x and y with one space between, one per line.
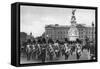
67 26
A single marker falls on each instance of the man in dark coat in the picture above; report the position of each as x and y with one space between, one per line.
43 53
43 50
92 52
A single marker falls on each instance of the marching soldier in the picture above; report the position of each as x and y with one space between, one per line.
51 51
43 50
78 51
67 51
92 52
43 53
56 49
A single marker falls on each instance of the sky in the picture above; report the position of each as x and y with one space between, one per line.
34 18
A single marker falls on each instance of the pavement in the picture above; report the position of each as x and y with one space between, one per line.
84 56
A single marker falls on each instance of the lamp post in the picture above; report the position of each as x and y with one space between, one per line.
92 30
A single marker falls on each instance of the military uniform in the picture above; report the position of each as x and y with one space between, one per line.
43 52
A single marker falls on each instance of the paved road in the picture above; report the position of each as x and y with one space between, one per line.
84 56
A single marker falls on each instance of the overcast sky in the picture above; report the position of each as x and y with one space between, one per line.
34 18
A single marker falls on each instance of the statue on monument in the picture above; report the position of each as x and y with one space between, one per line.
73 16
73 11
73 33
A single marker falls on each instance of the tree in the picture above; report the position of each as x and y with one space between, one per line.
23 36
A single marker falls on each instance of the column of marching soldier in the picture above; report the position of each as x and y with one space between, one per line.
43 50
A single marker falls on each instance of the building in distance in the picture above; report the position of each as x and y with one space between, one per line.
59 32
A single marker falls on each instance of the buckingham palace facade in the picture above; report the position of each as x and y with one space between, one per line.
58 32
72 32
